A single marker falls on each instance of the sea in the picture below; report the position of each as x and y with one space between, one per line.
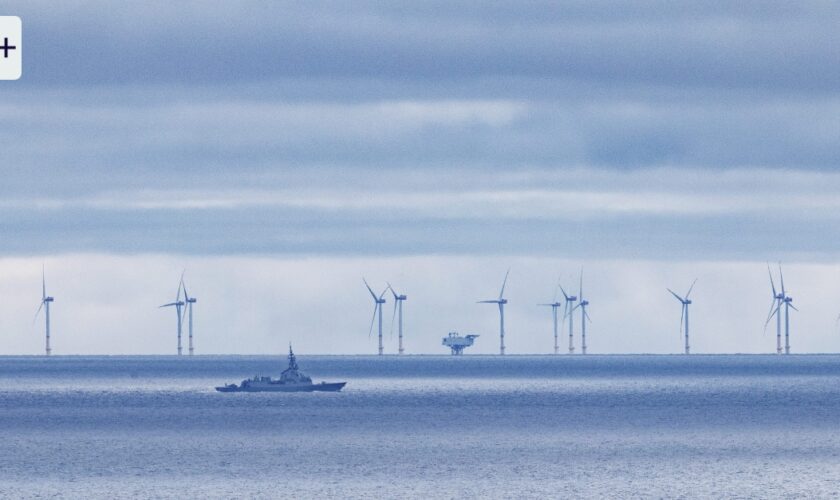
635 426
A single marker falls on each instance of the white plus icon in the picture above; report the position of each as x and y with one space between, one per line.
11 64
6 48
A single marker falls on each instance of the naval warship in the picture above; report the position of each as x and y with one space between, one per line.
291 380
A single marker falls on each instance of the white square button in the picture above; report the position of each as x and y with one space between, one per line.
11 63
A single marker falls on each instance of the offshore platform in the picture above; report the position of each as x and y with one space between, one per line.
457 342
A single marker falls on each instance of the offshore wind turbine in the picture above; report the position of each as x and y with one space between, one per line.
501 301
377 308
787 301
398 305
554 305
178 304
684 313
584 316
569 311
45 304
189 309
775 306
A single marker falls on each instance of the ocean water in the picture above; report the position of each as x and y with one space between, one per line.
423 427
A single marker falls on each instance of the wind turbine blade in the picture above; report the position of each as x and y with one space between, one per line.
782 279
564 292
580 287
393 317
690 289
556 289
566 310
43 285
575 308
774 309
772 284
370 330
793 307
682 317
382 294
487 302
38 312
392 291
586 314
502 293
369 289
773 306
168 305
675 295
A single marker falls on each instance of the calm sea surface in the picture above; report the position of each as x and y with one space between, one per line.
423 427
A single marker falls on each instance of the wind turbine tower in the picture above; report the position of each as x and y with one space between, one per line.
398 308
684 314
584 316
501 301
178 304
554 305
189 306
569 311
377 308
45 304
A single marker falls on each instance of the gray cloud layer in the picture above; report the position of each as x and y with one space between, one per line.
436 115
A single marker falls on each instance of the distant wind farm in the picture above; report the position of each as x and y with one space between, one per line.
574 308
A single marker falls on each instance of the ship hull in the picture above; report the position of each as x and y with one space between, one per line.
322 387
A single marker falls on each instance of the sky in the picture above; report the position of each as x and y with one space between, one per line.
279 152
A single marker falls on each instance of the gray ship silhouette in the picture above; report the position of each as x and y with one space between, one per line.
291 380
